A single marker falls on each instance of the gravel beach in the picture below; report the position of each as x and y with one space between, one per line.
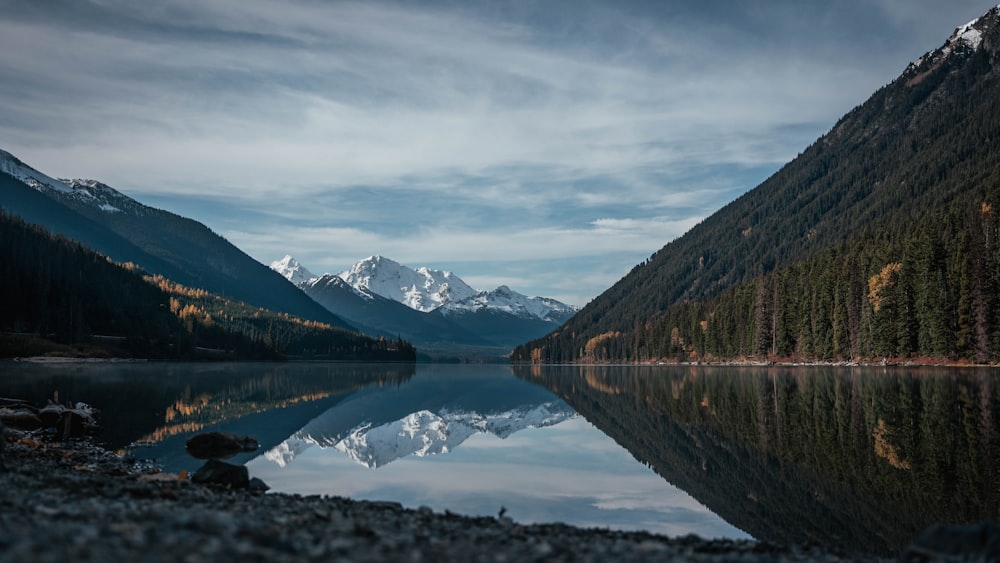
74 501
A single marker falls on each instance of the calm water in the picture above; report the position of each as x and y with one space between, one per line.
860 459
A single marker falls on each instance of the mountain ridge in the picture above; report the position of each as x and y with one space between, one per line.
923 142
433 308
424 289
181 249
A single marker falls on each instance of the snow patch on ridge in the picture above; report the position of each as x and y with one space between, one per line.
965 38
10 164
89 192
509 301
969 35
292 270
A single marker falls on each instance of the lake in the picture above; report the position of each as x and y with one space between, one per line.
857 459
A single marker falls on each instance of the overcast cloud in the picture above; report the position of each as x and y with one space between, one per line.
550 146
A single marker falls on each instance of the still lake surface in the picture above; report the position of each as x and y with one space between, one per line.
858 459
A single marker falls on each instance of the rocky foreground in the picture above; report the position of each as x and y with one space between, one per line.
74 501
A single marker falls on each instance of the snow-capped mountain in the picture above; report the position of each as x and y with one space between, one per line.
422 289
10 164
375 314
90 192
965 39
434 309
104 197
426 290
421 433
509 301
125 230
292 270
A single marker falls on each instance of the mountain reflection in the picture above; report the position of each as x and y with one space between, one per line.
144 405
433 413
861 459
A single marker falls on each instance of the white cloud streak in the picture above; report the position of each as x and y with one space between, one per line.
600 132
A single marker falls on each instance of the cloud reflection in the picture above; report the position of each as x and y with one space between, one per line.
569 472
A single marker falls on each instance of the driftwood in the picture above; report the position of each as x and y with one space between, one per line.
68 421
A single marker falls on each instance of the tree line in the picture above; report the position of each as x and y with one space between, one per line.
61 298
925 291
786 268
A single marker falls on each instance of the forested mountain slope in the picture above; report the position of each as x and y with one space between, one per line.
120 227
926 146
61 298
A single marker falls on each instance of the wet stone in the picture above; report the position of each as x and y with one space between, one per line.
222 474
219 445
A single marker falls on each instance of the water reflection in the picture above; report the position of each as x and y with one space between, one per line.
437 411
473 440
470 439
149 409
858 459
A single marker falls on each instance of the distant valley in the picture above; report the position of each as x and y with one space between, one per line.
216 286
878 243
89 271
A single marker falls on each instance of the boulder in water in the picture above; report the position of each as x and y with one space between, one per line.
219 445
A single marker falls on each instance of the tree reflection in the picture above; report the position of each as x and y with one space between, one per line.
859 459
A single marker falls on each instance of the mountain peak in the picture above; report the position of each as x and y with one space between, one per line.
889 171
10 164
509 301
423 289
88 192
292 270
100 195
966 39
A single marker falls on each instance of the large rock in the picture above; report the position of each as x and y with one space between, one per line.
219 445
222 474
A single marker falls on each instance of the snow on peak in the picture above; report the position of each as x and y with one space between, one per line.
965 39
968 35
423 289
507 300
102 196
292 270
89 192
10 164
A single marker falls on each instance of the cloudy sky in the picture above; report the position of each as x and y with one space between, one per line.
547 145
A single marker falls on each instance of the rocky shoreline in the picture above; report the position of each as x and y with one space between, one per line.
74 501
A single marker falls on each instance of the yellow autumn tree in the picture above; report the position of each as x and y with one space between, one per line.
878 283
